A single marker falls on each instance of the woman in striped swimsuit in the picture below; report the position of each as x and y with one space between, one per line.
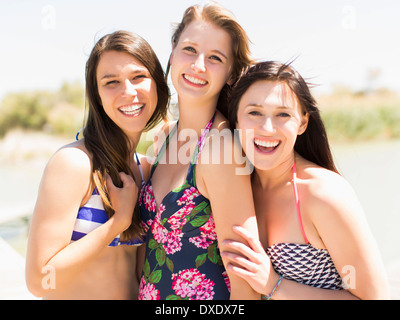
83 243
314 239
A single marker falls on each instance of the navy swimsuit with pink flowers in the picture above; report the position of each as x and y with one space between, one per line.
182 260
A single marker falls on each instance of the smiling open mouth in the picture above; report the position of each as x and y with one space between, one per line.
194 80
131 110
266 146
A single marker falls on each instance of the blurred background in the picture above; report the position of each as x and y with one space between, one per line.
349 50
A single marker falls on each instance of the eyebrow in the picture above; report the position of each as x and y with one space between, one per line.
214 50
107 76
134 72
260 106
219 52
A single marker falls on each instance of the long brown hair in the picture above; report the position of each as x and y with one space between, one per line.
221 17
313 144
106 142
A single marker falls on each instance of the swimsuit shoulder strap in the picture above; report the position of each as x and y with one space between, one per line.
202 139
296 196
191 176
77 134
163 148
140 168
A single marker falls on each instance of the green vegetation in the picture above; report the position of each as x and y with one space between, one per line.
361 116
348 115
57 112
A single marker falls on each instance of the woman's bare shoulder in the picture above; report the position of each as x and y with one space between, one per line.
70 164
325 193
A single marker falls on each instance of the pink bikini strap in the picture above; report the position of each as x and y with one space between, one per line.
296 196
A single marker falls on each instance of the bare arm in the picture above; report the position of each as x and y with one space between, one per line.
232 204
64 184
342 226
257 270
343 229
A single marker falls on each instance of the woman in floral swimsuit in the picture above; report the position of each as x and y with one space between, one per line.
187 225
183 220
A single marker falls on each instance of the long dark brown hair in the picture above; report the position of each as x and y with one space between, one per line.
313 144
107 143
221 17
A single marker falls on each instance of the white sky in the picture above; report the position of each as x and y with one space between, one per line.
44 43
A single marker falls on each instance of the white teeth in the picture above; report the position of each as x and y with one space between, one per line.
268 144
131 109
194 80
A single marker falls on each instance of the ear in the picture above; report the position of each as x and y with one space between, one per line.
230 80
304 124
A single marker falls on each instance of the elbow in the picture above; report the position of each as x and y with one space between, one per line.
381 292
39 283
35 287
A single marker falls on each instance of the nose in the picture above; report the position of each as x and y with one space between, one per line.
199 64
129 89
268 125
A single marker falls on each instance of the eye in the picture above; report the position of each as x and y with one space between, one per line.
111 83
255 113
216 58
139 77
284 115
190 49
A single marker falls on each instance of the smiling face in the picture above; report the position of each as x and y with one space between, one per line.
201 61
127 91
270 117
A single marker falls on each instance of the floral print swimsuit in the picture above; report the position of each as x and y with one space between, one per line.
182 259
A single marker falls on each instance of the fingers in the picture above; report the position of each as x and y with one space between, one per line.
243 273
240 261
109 183
241 248
127 192
248 256
123 200
127 181
253 251
249 237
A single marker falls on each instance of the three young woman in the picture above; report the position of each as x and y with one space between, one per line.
311 225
